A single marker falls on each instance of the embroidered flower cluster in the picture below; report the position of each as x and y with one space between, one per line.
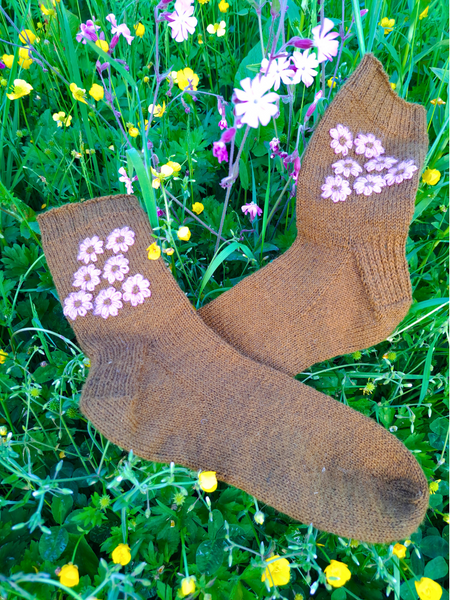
108 302
338 188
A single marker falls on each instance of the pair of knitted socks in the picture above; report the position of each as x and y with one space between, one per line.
165 385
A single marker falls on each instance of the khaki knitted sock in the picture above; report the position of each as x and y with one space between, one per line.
344 283
166 386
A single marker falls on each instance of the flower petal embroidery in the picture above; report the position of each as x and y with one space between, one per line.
347 167
368 184
89 248
108 303
342 140
86 278
120 239
116 268
336 188
380 163
77 304
400 172
368 145
135 290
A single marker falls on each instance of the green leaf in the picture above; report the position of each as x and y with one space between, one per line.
436 568
52 545
339 594
209 557
216 524
243 174
434 546
442 74
408 590
61 506
146 186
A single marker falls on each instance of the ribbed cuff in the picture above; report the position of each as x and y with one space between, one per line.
369 84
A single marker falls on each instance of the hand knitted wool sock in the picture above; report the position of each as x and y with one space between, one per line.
166 386
344 283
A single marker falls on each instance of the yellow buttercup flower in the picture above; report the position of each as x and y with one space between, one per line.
434 485
3 356
27 36
427 589
393 86
187 77
176 167
24 58
62 120
187 586
431 176
153 251
8 59
331 82
48 12
21 88
424 14
169 251
337 574
69 575
203 1
78 93
399 550
103 45
387 24
165 171
97 91
133 132
217 28
278 572
139 30
158 110
206 479
223 6
121 555
435 101
198 208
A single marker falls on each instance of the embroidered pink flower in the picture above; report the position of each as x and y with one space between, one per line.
120 240
347 167
336 188
135 289
342 139
115 268
108 303
369 184
252 210
77 304
398 173
89 248
380 163
368 145
86 278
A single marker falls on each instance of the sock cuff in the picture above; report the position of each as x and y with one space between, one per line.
370 84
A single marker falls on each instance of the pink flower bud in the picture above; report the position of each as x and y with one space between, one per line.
228 135
303 43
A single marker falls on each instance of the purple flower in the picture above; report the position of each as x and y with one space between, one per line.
303 43
336 188
228 135
221 108
86 278
253 104
89 248
342 139
119 29
88 32
296 170
305 65
369 184
398 173
274 145
324 40
120 239
312 107
77 304
347 167
116 268
220 151
223 124
135 290
159 212
2 65
252 210
368 145
108 303
126 180
380 163
182 22
277 71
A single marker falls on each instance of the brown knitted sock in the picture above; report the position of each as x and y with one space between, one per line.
344 284
166 386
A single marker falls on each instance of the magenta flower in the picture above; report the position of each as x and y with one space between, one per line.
296 170
127 180
181 21
86 278
89 248
88 32
223 124
120 239
252 104
298 42
336 188
108 303
159 212
252 210
312 107
368 145
368 184
277 71
342 140
119 29
136 290
347 167
220 151
324 41
274 145
77 304
398 173
380 163
305 65
116 268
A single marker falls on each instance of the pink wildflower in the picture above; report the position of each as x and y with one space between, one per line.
324 41
306 65
277 71
77 304
312 106
89 248
181 21
274 145
336 188
119 29
136 290
253 104
252 209
115 268
368 145
88 32
223 124
86 278
347 167
120 239
108 303
127 180
220 151
342 140
398 173
368 184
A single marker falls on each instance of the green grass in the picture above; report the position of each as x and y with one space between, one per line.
66 493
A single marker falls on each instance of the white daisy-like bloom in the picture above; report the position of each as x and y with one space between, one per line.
368 145
77 304
336 188
404 170
108 303
380 163
368 184
277 70
116 268
120 239
342 139
89 248
86 278
306 65
255 104
135 290
347 167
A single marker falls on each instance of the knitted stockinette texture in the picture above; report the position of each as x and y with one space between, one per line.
166 386
344 283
